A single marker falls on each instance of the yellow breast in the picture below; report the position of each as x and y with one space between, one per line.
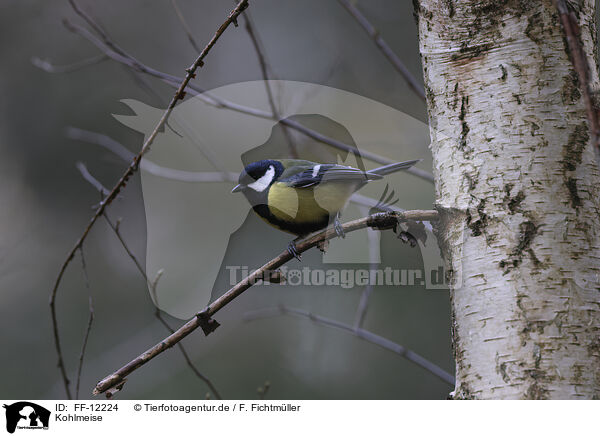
308 204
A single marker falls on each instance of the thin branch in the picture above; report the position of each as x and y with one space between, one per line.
131 169
89 324
581 65
109 42
359 333
143 84
187 358
186 28
379 221
96 27
157 312
75 66
215 101
385 48
146 165
91 179
265 74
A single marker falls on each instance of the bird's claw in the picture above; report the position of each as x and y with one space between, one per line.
293 251
337 226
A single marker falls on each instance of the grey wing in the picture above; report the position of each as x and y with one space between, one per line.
327 173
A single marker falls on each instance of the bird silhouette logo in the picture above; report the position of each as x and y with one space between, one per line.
194 223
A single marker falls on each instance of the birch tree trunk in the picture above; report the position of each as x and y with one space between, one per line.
518 190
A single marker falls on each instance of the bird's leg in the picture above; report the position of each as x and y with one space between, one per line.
323 245
337 226
292 249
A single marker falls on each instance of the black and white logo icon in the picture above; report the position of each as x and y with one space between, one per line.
26 415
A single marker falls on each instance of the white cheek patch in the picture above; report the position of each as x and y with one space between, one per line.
316 169
263 183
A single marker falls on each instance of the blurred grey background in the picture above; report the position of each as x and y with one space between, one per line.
45 204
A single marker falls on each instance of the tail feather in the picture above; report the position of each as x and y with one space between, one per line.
392 168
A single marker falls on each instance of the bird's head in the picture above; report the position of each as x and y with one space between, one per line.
258 176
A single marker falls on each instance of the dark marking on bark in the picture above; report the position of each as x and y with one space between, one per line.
573 150
487 15
471 182
471 52
593 348
578 370
517 67
513 203
454 103
534 259
501 369
463 392
570 90
450 6
537 376
464 126
430 96
504 74
478 224
572 157
422 13
536 391
537 355
571 184
527 231
535 27
534 127
505 376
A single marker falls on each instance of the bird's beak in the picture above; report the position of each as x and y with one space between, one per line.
238 188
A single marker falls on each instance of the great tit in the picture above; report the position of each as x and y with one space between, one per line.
300 196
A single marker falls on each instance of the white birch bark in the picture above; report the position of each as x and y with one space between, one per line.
518 189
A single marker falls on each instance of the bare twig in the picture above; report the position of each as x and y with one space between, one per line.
91 179
75 66
581 65
157 312
215 101
384 47
359 333
187 358
131 169
96 27
186 28
146 165
89 324
380 221
115 227
142 83
249 26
